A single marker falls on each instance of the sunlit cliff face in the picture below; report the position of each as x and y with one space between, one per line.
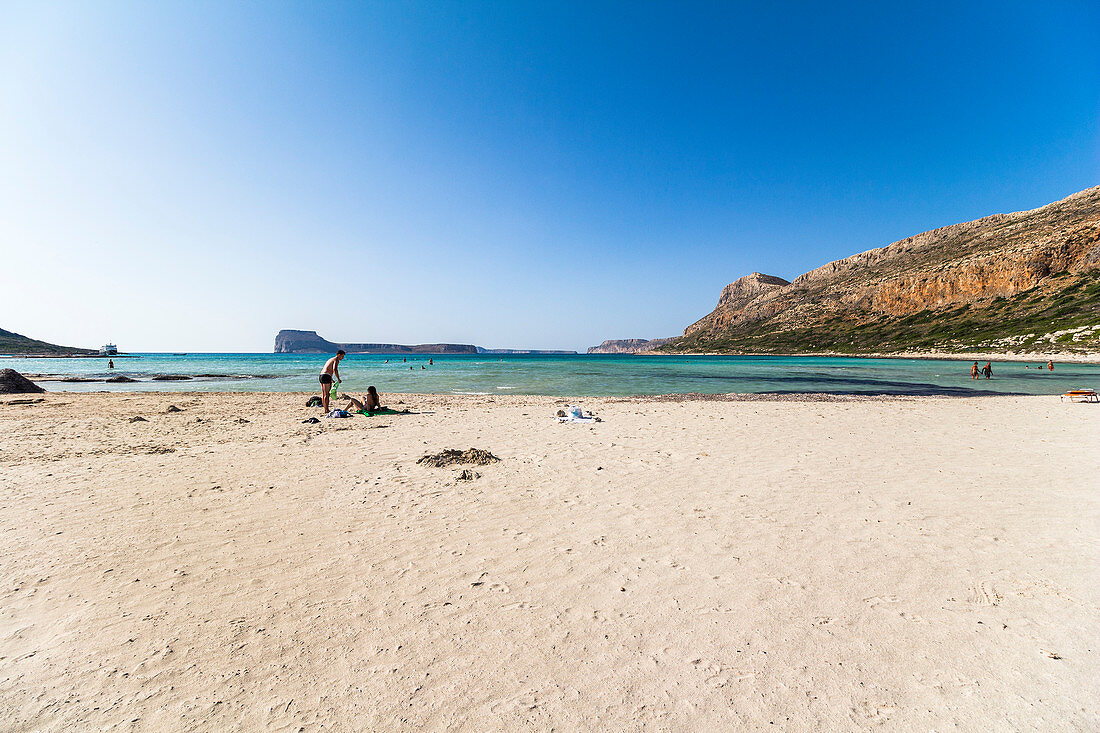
966 264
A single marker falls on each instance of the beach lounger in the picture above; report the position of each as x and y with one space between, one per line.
1081 395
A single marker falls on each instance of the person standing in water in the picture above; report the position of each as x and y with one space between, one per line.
974 371
1050 364
110 363
332 369
987 370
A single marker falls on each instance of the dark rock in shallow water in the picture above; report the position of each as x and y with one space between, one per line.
12 382
118 379
170 378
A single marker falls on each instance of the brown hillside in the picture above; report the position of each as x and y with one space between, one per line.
1004 281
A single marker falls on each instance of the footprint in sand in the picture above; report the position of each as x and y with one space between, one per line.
788 581
480 582
718 675
520 606
984 594
875 713
435 606
876 601
524 702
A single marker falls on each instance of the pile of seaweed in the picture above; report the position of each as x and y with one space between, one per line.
452 456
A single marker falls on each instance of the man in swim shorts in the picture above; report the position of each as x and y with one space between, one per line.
332 368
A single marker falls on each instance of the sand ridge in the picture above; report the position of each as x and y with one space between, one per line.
915 563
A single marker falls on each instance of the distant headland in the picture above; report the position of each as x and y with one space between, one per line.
289 341
14 344
628 346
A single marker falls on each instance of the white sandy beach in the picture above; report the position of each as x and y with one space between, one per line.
683 565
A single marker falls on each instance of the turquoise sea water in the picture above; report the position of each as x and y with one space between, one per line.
596 375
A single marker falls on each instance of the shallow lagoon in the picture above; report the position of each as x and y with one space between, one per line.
596 375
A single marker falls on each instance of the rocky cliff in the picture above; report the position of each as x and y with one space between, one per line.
627 346
1030 279
308 342
735 298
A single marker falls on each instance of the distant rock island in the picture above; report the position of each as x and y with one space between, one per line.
17 344
1027 281
308 342
523 351
627 346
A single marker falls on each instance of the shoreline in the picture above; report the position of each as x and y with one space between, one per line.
1056 357
558 399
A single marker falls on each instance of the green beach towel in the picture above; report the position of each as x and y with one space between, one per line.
383 411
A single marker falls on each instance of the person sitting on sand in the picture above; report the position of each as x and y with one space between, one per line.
974 371
370 402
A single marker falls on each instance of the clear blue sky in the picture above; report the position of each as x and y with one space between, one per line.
195 176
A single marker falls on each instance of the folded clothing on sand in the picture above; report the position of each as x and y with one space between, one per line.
338 413
576 414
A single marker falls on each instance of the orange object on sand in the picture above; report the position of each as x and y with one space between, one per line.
1081 395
